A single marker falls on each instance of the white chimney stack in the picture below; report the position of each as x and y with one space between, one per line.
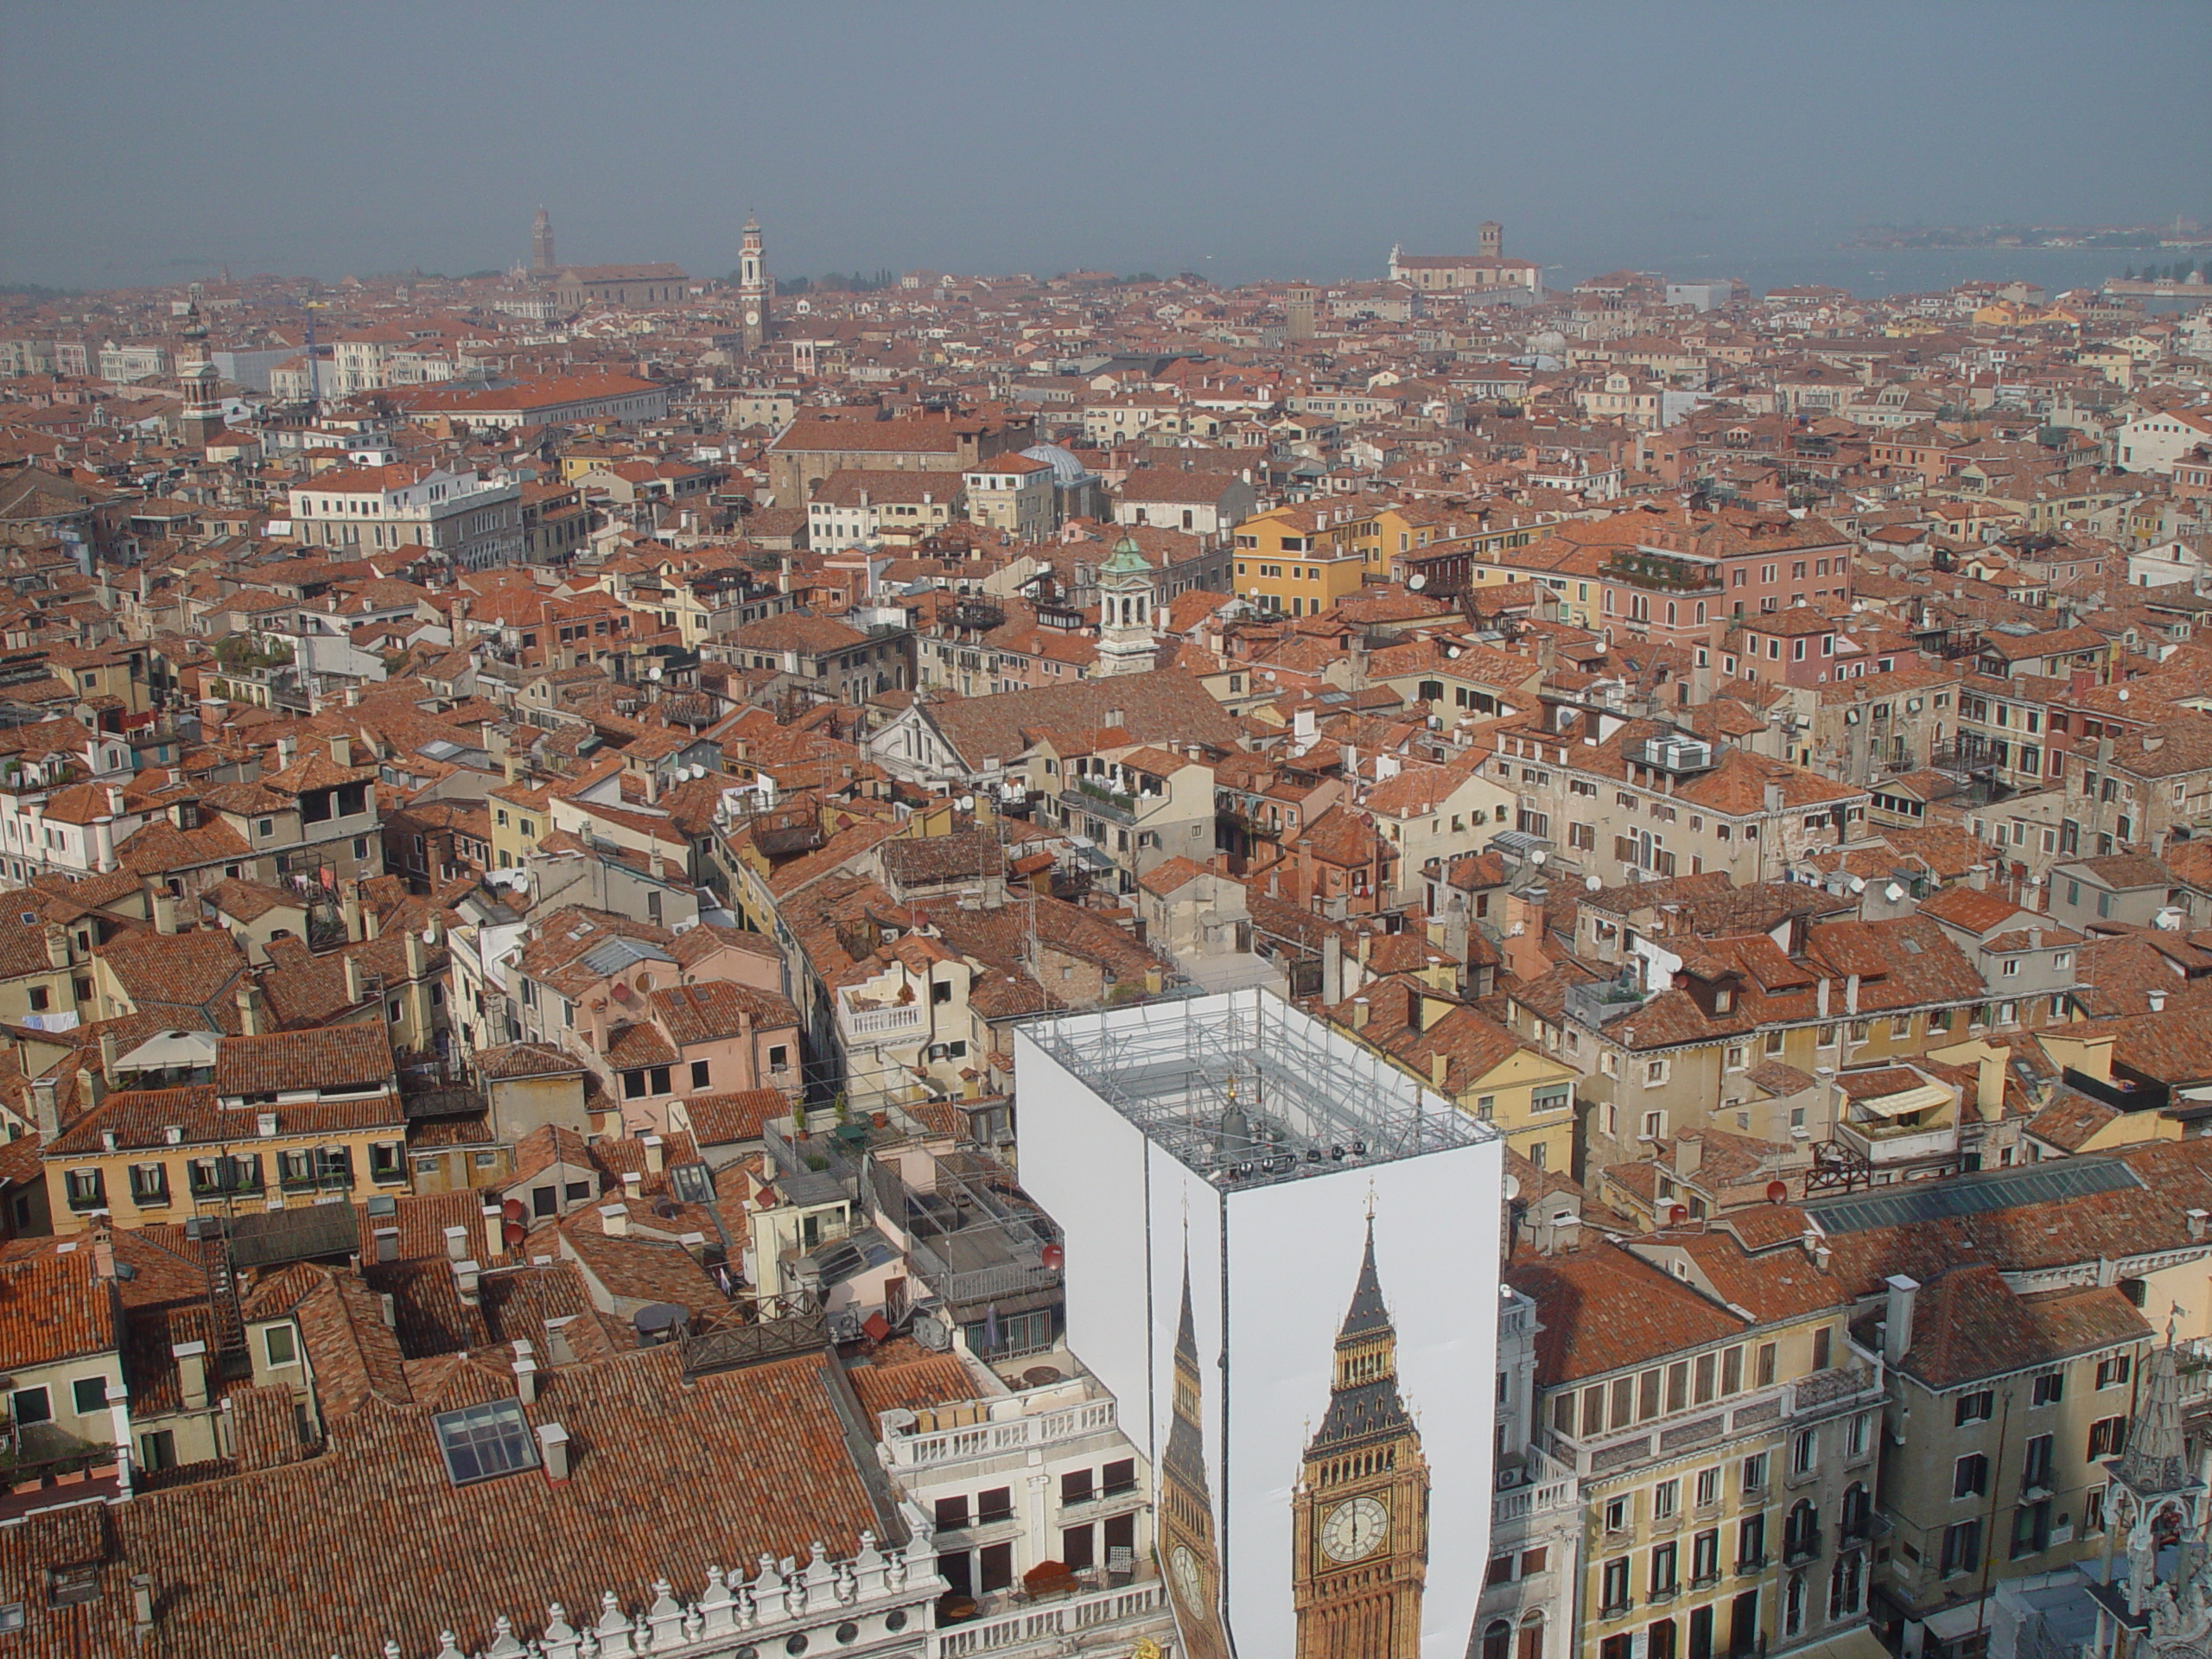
613 1221
456 1243
1897 1326
553 1450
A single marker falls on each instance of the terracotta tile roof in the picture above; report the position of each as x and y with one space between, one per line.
735 1118
512 1060
335 1057
197 969
1601 1308
639 1044
711 1012
762 1458
54 1307
1967 1323
918 1380
636 1268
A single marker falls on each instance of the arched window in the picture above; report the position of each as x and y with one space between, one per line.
1793 1605
1532 1636
1844 1584
1858 1511
1700 612
1801 1532
1498 1640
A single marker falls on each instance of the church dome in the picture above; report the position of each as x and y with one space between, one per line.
1067 471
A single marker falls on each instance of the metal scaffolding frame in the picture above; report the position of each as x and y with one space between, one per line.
1246 1090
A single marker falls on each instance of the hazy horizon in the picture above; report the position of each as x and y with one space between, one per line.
141 147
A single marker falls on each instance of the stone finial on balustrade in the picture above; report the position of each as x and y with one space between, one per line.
612 1630
770 1597
664 1620
559 1638
718 1608
821 1577
867 1570
504 1645
448 1646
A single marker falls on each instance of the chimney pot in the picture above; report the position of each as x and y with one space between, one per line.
633 1183
2196 1219
526 1380
613 1221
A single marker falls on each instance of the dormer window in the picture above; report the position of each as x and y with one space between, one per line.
1723 1001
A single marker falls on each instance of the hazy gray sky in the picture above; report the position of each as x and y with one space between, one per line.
152 143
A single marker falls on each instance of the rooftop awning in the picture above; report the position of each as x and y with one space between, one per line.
1922 1099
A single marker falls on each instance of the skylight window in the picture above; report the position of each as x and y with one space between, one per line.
484 1442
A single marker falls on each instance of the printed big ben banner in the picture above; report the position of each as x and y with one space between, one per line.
1359 1527
1304 1346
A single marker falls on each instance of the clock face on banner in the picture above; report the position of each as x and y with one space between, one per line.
1184 1566
1355 1529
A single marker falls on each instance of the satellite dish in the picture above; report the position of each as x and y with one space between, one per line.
1677 1214
1597 646
1591 883
1893 893
1512 1186
2123 694
1777 1191
1418 581
1857 884
1538 856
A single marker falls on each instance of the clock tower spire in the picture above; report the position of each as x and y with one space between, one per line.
754 290
1188 1550
1359 1514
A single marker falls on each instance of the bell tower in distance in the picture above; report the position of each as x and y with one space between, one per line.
753 287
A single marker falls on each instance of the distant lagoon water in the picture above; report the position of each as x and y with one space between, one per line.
1870 273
